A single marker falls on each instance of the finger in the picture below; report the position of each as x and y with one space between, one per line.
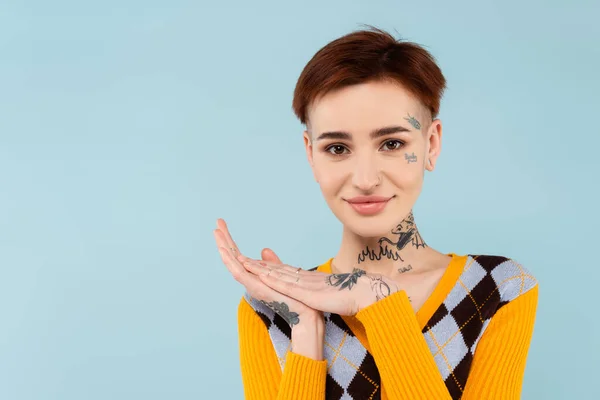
228 257
275 266
289 289
309 280
269 255
233 267
222 241
239 273
260 291
222 226
261 268
257 268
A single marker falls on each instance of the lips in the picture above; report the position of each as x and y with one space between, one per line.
368 205
368 199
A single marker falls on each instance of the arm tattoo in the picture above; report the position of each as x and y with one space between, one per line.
413 121
345 280
284 311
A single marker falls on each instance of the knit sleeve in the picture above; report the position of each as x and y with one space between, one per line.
408 369
303 378
499 361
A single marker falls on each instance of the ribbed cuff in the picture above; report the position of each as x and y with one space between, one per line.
303 378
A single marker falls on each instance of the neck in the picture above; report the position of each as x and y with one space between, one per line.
402 250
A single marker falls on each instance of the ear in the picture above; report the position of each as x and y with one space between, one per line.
308 147
434 139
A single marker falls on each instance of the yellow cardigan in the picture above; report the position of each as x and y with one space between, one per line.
391 331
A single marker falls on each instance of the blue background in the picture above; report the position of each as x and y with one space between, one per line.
128 127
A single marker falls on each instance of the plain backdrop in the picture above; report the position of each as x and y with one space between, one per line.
128 127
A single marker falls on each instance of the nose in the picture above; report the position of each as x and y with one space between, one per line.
366 173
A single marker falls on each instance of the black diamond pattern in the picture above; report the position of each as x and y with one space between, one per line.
333 390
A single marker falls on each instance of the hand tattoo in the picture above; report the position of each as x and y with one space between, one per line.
380 287
284 311
345 280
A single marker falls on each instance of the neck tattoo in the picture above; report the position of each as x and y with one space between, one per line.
388 249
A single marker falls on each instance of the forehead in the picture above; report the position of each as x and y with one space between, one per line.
363 107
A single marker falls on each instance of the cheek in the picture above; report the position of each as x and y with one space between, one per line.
332 177
406 176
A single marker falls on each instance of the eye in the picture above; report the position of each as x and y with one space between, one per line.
336 149
392 145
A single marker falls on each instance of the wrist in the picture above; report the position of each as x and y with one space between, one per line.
308 336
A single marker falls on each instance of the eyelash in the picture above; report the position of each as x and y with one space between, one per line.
328 149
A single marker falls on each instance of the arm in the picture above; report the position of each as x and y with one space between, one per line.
407 367
499 361
302 378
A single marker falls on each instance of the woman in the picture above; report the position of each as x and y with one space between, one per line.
388 316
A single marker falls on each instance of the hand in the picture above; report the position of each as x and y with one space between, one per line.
343 294
290 310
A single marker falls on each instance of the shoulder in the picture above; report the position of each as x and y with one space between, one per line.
497 275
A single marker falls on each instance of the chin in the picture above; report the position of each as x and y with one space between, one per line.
369 227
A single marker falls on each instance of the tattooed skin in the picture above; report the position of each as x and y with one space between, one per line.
403 269
413 121
345 280
379 287
408 233
383 252
410 158
284 311
389 249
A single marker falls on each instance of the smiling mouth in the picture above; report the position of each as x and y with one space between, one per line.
369 207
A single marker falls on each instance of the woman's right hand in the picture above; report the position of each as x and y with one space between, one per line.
297 314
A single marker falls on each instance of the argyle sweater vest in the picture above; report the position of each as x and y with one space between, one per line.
486 284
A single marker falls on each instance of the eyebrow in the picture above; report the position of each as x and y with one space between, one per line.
377 133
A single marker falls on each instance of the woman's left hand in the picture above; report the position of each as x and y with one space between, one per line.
343 294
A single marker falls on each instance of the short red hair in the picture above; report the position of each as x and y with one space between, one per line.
369 55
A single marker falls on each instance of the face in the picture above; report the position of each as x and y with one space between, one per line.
372 139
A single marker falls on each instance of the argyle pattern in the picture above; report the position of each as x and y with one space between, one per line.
486 284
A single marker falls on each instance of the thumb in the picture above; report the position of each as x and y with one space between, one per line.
269 255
